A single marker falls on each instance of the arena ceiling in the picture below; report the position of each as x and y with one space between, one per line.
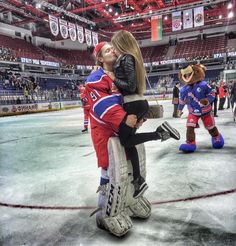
108 16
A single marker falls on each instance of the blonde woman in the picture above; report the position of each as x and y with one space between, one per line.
130 78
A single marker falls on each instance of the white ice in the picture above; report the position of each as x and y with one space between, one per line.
45 160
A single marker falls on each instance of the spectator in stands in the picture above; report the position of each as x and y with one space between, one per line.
18 101
26 94
221 96
214 103
85 106
175 99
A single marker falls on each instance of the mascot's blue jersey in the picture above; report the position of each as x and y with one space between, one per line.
192 94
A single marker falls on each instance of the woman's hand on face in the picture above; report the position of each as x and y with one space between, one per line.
139 124
110 74
131 120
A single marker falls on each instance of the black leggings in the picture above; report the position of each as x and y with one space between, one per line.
129 138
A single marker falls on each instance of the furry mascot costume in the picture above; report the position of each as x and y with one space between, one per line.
198 96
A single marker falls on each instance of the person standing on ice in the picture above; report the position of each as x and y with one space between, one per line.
130 78
85 107
107 116
107 111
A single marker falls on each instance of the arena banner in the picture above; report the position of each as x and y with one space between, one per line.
156 28
80 33
53 23
68 104
18 108
176 21
187 18
37 107
63 28
72 31
95 38
88 37
198 16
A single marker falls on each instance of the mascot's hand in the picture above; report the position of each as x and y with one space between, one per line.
204 102
205 106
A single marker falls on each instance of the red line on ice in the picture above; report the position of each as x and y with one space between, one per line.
93 207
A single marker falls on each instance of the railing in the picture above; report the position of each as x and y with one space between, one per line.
8 98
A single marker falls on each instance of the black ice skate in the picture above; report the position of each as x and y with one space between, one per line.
85 130
139 186
165 126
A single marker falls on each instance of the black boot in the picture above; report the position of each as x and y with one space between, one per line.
139 186
165 126
85 130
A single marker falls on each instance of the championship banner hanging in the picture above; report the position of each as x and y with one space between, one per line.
88 37
80 33
156 28
187 18
72 31
95 38
198 16
53 23
63 28
176 21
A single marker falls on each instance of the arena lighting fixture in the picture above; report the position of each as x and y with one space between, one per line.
230 14
229 6
19 10
67 13
38 5
167 11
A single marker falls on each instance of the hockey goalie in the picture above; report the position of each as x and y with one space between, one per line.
116 203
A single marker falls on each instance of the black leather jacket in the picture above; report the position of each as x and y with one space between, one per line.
125 74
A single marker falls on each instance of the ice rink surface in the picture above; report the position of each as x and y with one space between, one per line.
47 163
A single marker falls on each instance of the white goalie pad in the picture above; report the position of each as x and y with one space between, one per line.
116 198
111 200
121 174
139 207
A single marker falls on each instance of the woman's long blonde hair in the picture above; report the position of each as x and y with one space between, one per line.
124 42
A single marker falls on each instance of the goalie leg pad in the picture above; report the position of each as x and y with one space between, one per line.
112 215
118 225
140 209
118 176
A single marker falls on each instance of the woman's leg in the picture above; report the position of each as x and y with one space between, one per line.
133 156
128 138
